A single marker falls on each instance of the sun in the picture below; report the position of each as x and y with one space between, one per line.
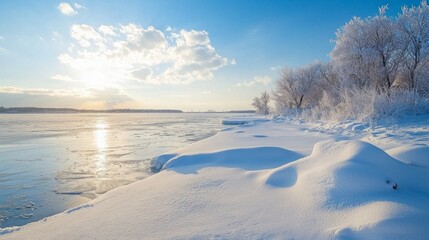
95 79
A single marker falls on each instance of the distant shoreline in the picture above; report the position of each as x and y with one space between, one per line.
37 110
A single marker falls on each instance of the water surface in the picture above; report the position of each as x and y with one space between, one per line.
51 162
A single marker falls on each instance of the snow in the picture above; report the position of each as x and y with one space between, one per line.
266 180
416 154
243 120
246 158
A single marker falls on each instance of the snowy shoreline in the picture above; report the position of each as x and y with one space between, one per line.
263 180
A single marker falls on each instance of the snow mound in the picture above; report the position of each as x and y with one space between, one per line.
159 161
355 166
244 158
346 189
376 195
285 176
417 154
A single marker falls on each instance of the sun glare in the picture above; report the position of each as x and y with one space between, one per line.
95 79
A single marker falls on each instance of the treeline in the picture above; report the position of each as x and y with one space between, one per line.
73 110
379 67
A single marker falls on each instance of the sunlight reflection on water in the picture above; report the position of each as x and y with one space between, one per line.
100 139
51 162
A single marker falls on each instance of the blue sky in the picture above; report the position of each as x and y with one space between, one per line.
184 54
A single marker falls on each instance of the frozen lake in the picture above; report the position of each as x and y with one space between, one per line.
51 162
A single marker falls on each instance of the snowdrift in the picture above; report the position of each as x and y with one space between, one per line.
245 158
417 154
339 189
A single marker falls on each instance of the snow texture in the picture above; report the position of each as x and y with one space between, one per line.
293 183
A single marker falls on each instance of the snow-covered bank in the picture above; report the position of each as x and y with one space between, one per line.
244 120
263 181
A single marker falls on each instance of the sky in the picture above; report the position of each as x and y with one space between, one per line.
193 55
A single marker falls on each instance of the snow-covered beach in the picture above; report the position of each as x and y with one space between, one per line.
266 180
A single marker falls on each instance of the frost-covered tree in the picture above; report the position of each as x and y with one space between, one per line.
329 75
413 24
367 51
379 68
330 82
295 87
261 104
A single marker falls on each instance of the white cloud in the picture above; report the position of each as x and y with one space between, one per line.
257 80
143 73
64 78
138 38
192 38
1 37
85 34
77 6
107 30
67 9
149 55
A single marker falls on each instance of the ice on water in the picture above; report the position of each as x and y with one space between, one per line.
51 162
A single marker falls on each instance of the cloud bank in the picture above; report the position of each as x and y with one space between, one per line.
147 55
